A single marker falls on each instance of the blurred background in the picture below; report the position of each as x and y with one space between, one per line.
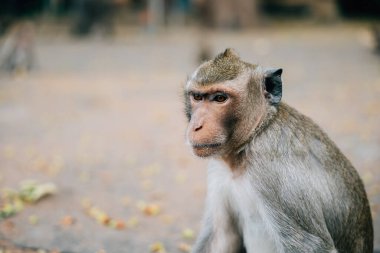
92 129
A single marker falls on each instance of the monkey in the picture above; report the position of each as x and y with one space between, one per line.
275 181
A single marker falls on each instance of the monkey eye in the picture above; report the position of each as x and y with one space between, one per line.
197 96
220 98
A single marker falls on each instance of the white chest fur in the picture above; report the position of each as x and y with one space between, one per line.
236 207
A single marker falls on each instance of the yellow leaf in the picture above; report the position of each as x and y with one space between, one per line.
157 247
184 247
188 234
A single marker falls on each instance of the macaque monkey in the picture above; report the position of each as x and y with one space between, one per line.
276 182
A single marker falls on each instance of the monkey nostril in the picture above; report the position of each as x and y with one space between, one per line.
198 128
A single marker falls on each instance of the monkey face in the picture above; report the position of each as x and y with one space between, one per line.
225 101
210 119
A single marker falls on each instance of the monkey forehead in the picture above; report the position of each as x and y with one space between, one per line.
239 83
212 73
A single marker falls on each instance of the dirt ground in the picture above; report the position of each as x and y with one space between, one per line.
103 120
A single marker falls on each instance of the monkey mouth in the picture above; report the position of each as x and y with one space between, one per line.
209 145
206 150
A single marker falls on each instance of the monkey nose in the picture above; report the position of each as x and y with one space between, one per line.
197 128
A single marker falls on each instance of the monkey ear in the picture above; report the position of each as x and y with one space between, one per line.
273 86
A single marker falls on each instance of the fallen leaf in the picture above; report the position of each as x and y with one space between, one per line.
67 221
184 247
117 224
157 247
149 209
102 217
188 234
32 192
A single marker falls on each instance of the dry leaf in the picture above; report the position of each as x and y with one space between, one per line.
117 224
32 192
157 247
102 217
188 234
67 221
149 209
184 247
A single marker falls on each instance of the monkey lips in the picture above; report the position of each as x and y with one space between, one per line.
205 150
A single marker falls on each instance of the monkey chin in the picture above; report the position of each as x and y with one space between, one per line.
206 150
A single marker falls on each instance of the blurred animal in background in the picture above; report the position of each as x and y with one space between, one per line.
276 182
17 53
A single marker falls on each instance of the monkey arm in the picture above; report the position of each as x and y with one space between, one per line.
221 238
219 231
203 242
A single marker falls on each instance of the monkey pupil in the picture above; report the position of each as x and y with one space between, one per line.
197 97
220 98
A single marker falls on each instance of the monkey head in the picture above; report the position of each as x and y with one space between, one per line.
226 101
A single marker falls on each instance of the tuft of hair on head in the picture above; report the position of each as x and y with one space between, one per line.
225 66
228 53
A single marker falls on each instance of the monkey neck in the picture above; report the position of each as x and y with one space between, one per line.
265 121
236 158
236 162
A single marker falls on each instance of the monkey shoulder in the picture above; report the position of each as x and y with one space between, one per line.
302 146
301 136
